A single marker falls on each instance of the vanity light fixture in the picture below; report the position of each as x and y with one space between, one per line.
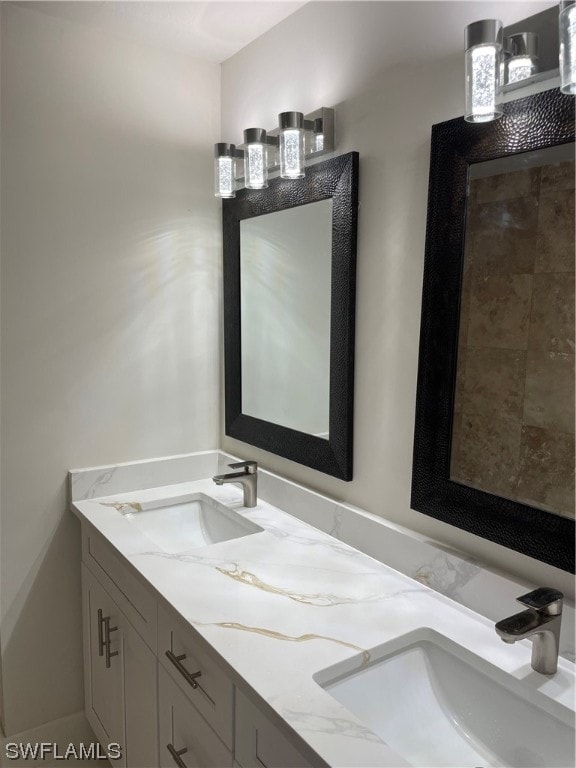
483 44
499 60
567 30
225 156
255 158
297 139
291 145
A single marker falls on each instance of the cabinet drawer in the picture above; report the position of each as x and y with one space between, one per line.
259 744
211 692
184 731
136 602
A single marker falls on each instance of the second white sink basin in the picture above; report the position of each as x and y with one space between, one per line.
187 523
436 704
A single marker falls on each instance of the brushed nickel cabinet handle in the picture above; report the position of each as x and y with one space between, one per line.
107 641
176 755
101 641
190 677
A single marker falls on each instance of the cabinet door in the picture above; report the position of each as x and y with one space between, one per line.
120 679
103 682
185 738
140 700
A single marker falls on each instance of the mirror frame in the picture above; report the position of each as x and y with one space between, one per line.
543 120
336 178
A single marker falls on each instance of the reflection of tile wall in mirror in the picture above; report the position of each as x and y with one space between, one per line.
513 429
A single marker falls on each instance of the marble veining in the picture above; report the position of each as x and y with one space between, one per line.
446 574
324 599
332 726
275 635
123 506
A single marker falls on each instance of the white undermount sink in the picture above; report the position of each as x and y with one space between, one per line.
437 704
186 523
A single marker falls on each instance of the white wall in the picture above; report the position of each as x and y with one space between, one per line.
110 283
391 70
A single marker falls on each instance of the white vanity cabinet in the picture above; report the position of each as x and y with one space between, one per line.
120 670
119 677
155 687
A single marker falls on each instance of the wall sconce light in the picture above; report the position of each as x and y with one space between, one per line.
567 31
483 45
287 148
225 156
255 158
525 52
291 138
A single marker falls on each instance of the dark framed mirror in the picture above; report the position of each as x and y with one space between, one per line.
494 434
289 315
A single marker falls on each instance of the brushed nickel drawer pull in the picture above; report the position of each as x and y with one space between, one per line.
176 755
107 641
101 642
190 677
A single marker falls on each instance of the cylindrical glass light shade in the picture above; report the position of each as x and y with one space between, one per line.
524 61
568 47
318 142
255 158
483 42
291 145
520 68
224 170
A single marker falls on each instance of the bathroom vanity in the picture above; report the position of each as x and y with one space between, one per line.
217 635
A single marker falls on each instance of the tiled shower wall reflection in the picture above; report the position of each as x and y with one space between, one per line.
513 431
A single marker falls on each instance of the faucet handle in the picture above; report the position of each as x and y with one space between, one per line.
544 600
251 467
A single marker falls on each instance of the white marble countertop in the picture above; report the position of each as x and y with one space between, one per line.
281 605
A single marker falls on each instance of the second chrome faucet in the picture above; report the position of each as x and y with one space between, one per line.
247 478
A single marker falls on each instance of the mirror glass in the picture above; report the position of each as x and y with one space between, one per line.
289 311
285 292
513 421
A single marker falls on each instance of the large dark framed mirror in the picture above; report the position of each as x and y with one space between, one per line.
289 312
494 434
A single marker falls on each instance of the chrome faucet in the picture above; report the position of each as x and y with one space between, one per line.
248 479
541 623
